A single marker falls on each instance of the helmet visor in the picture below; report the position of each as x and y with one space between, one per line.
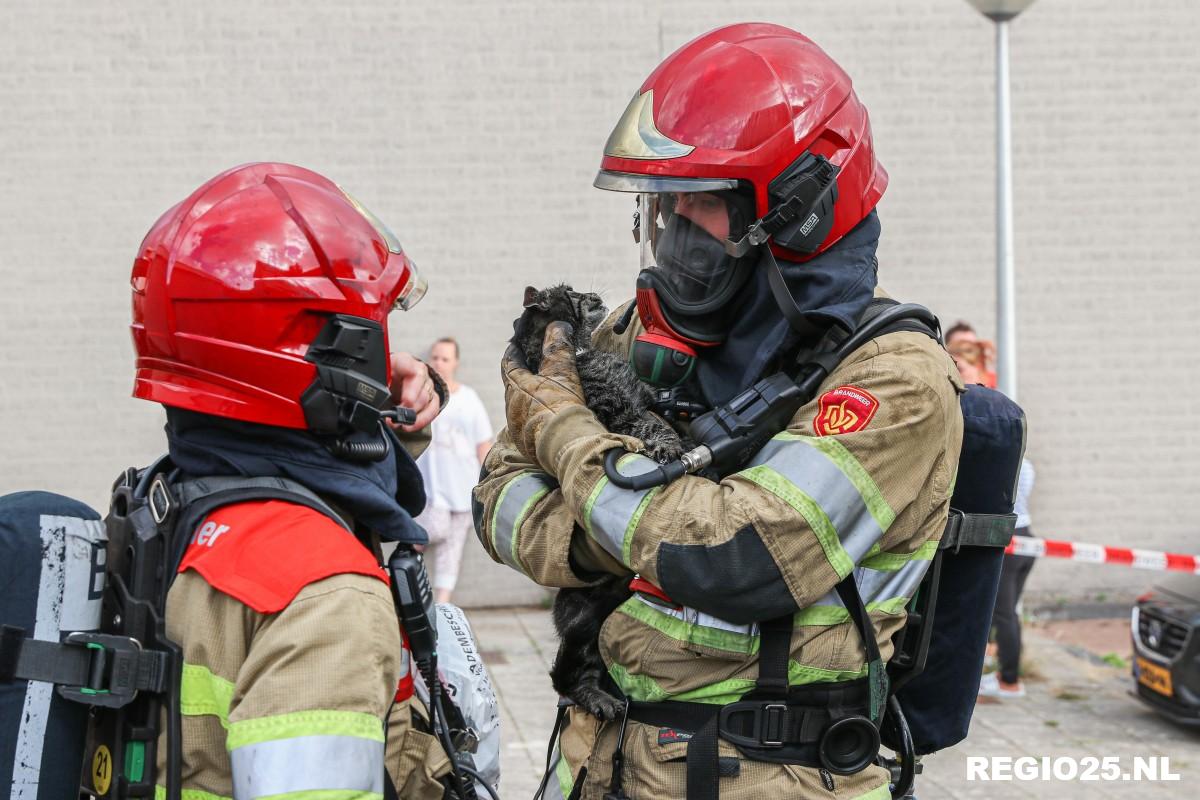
682 238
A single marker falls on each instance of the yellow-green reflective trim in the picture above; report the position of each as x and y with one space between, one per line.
204 694
808 508
836 452
644 689
887 561
324 794
878 793
591 503
562 771
160 793
821 615
521 515
802 674
892 605
627 542
304 723
681 631
500 504
836 615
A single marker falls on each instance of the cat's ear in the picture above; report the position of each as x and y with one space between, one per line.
531 296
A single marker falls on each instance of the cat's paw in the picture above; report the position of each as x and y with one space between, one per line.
597 702
664 450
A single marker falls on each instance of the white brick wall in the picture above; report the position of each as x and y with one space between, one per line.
475 129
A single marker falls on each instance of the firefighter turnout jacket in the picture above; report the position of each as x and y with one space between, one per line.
859 482
295 681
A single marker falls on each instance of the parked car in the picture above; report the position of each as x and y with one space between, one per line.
1166 648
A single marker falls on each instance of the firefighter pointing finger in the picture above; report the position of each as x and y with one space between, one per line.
752 661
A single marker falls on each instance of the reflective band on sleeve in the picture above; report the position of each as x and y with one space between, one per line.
203 693
878 587
319 722
890 562
611 514
836 452
516 500
820 478
308 764
882 590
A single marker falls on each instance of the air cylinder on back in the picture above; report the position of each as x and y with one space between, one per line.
51 577
939 702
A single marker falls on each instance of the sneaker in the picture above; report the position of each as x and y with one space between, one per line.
990 686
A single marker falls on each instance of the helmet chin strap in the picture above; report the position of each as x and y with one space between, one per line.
783 298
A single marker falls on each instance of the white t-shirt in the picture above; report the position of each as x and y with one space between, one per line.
1024 489
450 465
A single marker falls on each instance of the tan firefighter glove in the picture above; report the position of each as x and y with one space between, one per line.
533 400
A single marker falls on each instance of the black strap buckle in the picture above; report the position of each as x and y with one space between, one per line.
950 537
118 669
95 669
768 726
159 500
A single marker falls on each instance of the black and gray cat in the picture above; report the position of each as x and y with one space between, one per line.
622 404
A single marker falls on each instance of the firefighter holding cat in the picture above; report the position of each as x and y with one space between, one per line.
739 654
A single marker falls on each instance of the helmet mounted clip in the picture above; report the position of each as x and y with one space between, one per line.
805 192
350 393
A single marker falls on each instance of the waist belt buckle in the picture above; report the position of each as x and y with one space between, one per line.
771 724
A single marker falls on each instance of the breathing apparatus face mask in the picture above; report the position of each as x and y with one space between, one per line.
688 279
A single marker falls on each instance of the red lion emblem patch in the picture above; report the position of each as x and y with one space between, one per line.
845 409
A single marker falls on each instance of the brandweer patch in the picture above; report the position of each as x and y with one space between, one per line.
845 409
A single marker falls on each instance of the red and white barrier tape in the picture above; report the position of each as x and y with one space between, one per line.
1101 554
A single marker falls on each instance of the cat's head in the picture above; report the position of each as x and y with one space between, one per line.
584 311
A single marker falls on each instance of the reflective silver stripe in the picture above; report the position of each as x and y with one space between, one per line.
307 763
610 510
876 586
814 474
831 599
692 616
516 501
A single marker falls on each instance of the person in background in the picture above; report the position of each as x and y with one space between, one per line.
1006 682
974 356
462 436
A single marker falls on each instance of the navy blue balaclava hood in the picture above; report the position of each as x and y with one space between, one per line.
383 495
836 286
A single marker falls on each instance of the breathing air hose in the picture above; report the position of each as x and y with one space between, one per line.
729 436
907 753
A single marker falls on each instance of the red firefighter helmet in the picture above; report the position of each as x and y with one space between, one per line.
264 297
760 108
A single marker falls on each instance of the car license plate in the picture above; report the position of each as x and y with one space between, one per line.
1154 677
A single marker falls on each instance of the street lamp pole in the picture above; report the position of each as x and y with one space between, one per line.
1006 294
1002 12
